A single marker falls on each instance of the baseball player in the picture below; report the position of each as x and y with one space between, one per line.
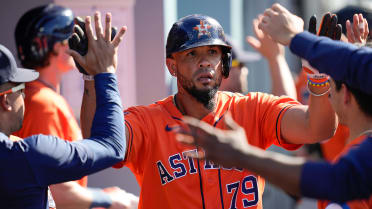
41 37
349 66
28 166
198 56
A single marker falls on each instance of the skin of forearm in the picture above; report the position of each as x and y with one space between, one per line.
282 79
279 169
88 108
322 118
70 195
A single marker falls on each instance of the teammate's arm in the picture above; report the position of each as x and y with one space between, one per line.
303 124
88 109
281 77
348 179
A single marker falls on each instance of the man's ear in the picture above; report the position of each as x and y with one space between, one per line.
171 65
4 103
346 94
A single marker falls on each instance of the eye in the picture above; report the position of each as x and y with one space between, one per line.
212 51
191 54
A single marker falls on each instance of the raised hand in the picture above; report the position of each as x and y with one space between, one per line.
328 26
220 146
263 43
79 41
358 31
101 55
280 24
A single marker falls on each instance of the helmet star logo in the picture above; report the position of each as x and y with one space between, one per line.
202 28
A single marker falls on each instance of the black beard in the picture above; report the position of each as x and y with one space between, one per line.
204 96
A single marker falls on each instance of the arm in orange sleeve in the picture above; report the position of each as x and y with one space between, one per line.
303 124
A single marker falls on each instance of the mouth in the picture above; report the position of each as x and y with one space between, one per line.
205 78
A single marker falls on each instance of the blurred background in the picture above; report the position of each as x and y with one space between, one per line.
143 77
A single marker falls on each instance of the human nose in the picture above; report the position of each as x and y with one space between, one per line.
204 62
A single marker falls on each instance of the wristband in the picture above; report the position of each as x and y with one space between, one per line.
317 83
317 95
88 77
99 198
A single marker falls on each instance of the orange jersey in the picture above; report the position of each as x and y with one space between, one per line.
355 204
47 112
332 148
169 180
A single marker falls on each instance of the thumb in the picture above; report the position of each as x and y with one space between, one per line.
77 57
255 43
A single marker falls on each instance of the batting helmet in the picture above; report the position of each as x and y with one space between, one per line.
198 30
38 30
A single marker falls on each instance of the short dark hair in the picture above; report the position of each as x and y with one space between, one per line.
364 100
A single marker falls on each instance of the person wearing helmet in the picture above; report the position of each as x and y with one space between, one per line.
28 166
199 57
41 37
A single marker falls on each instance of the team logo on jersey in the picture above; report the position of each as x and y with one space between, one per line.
171 128
203 29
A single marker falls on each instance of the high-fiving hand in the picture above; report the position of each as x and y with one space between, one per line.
101 55
220 146
280 24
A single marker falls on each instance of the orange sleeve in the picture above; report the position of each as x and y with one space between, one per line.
269 110
138 131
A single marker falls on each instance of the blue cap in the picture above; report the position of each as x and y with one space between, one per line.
9 72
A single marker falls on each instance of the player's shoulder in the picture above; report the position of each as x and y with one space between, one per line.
226 95
155 109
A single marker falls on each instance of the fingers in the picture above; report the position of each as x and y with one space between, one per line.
349 32
185 139
279 8
77 57
199 154
356 28
338 32
332 27
366 33
312 24
269 12
79 32
324 25
89 30
230 123
199 127
108 28
119 37
257 32
256 44
98 25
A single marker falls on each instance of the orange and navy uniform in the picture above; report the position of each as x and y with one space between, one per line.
47 112
170 180
355 204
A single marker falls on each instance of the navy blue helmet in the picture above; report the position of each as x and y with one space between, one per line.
198 30
38 30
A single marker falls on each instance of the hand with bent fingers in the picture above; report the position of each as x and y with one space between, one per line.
263 43
101 56
328 26
358 31
280 24
220 146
